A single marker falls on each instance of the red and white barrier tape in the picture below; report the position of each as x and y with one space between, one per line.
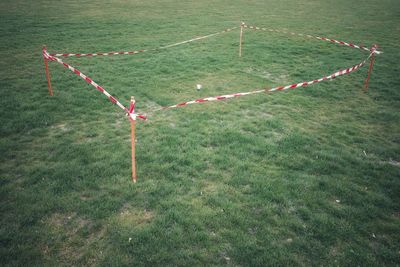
98 54
310 36
144 50
278 88
131 114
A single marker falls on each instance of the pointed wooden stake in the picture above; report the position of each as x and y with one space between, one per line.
241 39
46 65
132 110
371 65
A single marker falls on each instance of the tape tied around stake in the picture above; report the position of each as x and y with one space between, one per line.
374 50
90 81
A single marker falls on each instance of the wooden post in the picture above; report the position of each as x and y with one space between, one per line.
371 65
241 39
132 110
46 65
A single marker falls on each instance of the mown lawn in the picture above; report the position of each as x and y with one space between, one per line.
299 178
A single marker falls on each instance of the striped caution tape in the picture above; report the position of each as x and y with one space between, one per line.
144 50
98 54
278 88
131 114
309 36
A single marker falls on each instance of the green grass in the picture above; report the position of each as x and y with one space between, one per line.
305 177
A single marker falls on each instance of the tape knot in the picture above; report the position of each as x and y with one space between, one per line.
374 49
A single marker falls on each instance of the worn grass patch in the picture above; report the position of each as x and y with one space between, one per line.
75 240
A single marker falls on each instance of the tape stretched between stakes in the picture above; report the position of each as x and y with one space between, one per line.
47 56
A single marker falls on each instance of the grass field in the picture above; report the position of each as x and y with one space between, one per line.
300 178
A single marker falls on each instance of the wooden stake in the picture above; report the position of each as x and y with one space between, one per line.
46 64
132 109
371 65
241 39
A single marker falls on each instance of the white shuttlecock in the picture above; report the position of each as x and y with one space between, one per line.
199 86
